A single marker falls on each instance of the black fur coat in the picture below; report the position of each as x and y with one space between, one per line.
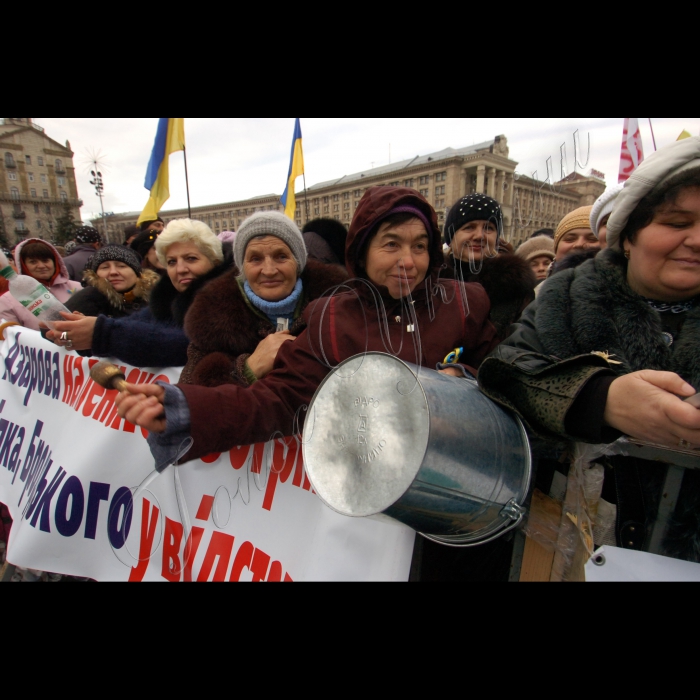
509 282
592 309
224 329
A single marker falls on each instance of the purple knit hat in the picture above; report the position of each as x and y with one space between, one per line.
404 209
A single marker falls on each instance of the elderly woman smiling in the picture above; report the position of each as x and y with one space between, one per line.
154 337
237 342
613 347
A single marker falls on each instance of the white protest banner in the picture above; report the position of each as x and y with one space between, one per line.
81 488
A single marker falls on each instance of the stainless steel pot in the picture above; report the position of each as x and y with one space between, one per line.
386 438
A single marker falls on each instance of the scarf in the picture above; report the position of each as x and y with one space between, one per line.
276 309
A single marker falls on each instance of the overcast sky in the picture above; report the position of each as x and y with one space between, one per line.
231 159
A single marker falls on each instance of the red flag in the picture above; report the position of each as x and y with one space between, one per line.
632 149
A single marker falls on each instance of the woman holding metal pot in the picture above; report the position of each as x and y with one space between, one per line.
613 347
395 251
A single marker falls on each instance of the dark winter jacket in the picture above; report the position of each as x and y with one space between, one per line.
77 260
508 280
341 327
99 298
154 336
225 329
586 328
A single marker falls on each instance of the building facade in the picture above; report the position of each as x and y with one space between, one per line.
37 181
443 178
219 217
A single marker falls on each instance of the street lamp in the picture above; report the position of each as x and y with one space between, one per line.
99 191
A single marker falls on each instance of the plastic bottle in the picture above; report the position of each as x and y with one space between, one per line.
34 297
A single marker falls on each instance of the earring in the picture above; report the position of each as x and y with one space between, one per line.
627 254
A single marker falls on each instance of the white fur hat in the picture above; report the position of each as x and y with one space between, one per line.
604 206
651 175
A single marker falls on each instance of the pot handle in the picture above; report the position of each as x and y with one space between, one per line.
511 510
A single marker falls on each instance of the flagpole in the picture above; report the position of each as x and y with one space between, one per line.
187 183
653 138
306 198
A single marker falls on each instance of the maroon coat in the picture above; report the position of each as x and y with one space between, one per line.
342 327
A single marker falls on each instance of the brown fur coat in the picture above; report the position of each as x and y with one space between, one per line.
224 329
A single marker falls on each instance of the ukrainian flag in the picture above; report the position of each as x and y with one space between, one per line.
296 168
170 138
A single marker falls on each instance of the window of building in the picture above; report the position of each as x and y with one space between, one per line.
61 181
46 194
14 193
357 193
36 208
336 207
425 180
40 160
394 184
336 197
10 161
409 183
38 224
12 175
30 177
43 179
51 225
28 160
59 165
439 190
64 197
346 205
347 217
325 200
316 211
299 223
441 177
337 218
48 208
425 193
346 195
33 193
325 209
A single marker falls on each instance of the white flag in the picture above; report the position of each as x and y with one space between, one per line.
632 149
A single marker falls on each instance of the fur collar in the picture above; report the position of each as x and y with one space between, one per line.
592 309
222 318
505 277
142 290
170 306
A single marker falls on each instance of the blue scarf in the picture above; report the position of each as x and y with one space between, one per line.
276 309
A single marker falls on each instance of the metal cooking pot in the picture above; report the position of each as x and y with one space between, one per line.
387 438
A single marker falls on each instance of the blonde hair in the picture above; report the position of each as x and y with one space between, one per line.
189 231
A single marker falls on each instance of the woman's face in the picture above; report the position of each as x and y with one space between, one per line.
540 266
270 268
185 263
576 241
664 261
41 269
118 274
398 257
476 240
152 258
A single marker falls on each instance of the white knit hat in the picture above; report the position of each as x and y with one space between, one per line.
650 176
604 206
270 223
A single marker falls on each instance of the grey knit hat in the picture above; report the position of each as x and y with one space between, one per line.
650 177
270 223
118 253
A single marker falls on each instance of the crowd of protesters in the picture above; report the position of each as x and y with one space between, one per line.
588 332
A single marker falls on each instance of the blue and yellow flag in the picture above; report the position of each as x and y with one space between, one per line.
170 138
296 168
